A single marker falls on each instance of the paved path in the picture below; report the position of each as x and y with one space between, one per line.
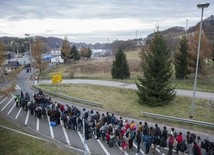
179 92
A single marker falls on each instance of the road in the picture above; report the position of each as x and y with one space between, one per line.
67 136
179 92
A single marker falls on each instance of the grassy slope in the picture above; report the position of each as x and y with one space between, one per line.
124 102
12 143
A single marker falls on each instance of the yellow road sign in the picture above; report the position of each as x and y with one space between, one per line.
56 78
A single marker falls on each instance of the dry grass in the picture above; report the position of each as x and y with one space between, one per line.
6 91
101 69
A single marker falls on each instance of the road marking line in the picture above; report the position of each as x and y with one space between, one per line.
7 104
158 150
87 149
140 149
27 117
17 87
37 124
3 100
51 129
11 109
13 95
65 133
17 115
103 147
166 148
121 149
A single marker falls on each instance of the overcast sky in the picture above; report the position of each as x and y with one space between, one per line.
94 21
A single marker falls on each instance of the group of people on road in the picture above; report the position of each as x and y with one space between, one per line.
113 130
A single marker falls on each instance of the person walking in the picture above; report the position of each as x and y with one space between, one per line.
171 144
196 150
179 139
138 140
189 141
182 148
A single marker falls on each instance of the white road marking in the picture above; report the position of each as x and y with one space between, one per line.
121 149
17 115
11 109
87 149
17 87
37 124
7 104
103 147
140 149
27 117
51 128
65 134
3 100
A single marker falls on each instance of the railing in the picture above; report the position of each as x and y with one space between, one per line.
178 119
66 97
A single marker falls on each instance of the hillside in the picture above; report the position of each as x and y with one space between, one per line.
208 28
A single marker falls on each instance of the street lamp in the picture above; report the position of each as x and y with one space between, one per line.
28 35
200 6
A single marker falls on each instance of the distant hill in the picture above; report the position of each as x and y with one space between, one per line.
208 28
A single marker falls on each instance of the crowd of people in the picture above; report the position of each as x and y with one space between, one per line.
113 130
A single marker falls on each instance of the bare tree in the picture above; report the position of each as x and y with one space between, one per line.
65 50
37 51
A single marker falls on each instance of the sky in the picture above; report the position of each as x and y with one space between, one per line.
93 21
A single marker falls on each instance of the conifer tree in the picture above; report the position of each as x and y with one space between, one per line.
154 87
181 59
74 54
120 68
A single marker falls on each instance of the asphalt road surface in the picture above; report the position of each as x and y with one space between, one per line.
67 136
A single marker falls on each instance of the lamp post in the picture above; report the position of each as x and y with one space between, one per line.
28 35
200 6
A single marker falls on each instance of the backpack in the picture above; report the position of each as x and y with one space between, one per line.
183 147
138 138
132 135
193 136
171 141
203 145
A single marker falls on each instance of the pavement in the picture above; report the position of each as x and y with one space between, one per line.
179 92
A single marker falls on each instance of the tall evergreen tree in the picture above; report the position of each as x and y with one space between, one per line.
154 88
120 68
74 54
181 59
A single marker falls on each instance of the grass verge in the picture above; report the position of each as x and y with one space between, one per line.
124 101
16 144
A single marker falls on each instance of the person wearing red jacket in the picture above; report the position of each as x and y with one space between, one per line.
179 139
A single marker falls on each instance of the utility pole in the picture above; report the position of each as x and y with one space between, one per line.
186 26
200 6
